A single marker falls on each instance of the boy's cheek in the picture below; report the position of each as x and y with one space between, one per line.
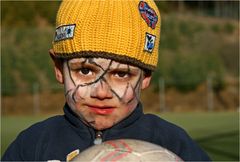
123 91
128 95
82 93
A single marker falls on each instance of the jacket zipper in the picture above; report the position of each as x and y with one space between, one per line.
98 138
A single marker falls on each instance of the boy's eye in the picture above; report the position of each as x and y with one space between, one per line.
85 71
121 74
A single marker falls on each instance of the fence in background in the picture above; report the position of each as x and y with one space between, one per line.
209 94
37 100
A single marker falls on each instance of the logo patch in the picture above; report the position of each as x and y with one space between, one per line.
149 42
148 14
64 32
72 155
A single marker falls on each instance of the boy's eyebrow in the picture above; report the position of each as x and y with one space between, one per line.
80 63
124 66
126 69
77 61
84 64
75 64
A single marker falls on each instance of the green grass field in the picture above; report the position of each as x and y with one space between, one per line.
217 132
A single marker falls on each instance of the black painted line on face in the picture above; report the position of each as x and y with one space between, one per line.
115 93
138 85
138 82
86 84
134 89
119 98
125 90
69 72
129 85
128 69
134 94
101 82
73 95
118 65
68 92
90 60
131 100
84 61
101 77
104 80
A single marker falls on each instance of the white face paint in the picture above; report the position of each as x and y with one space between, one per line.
101 91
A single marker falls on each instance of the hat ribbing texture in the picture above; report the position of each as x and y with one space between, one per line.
114 29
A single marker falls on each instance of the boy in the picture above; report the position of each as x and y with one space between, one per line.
104 53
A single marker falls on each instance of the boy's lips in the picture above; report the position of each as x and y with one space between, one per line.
102 110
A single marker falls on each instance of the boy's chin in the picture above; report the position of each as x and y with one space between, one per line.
101 125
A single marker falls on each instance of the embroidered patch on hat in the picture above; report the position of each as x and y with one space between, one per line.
72 155
149 42
64 32
148 14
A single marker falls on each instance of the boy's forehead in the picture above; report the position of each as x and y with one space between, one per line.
103 62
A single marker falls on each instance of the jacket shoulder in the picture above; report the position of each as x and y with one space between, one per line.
26 143
49 123
42 127
162 125
175 139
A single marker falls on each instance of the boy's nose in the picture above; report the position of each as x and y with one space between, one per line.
101 91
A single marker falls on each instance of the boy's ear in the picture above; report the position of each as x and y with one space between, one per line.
58 67
146 81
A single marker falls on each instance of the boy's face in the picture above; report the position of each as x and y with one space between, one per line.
101 91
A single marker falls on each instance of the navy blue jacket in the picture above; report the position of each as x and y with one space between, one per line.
56 137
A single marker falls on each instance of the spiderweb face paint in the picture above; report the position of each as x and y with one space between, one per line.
101 91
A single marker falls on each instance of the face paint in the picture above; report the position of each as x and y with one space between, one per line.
101 91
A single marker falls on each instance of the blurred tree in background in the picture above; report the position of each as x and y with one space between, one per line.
28 13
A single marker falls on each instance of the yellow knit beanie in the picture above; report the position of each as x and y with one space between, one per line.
127 31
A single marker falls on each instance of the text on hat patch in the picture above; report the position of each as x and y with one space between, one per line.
64 32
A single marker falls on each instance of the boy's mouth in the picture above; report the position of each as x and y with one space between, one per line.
101 110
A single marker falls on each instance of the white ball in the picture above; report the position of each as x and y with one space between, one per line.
126 150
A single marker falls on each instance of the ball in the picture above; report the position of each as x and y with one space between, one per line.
126 150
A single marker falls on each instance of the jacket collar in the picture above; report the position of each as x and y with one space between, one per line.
134 116
77 122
